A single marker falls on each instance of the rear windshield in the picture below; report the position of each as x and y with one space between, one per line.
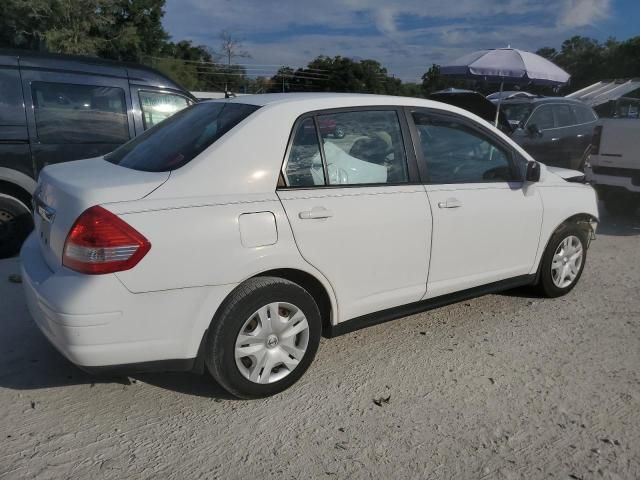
177 140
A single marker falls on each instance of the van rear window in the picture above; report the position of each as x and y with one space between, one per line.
177 140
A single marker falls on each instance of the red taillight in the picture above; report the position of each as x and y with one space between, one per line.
100 242
595 140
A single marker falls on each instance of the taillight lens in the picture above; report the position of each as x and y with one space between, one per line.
100 242
595 140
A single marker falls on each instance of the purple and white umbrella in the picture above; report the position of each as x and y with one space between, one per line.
506 65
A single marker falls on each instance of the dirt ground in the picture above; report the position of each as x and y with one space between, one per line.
500 387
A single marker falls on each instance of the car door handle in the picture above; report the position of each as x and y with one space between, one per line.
555 139
450 203
315 213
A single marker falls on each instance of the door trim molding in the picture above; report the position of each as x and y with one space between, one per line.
425 305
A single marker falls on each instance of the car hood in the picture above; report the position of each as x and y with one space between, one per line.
566 173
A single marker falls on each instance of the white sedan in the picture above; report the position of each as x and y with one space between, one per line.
234 234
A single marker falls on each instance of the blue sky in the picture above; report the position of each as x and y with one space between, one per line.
405 36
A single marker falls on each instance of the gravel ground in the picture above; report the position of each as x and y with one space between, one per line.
500 387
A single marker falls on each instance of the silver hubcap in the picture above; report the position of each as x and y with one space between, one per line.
272 342
567 261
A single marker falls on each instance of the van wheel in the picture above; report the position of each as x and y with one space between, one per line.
15 225
563 261
263 338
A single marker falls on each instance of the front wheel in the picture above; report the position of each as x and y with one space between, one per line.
563 261
264 337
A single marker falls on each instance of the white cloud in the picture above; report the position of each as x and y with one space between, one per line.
404 35
580 13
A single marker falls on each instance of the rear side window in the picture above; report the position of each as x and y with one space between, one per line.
583 114
158 106
178 140
358 148
67 113
564 116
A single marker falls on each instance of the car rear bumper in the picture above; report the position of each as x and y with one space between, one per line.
94 321
611 181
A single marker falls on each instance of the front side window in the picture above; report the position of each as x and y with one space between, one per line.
564 116
158 106
457 153
74 114
542 118
516 112
179 139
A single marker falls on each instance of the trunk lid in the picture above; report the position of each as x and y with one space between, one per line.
68 189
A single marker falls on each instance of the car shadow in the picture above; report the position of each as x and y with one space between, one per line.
29 362
623 225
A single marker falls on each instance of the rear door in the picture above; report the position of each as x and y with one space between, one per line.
486 220
356 207
586 121
74 115
566 132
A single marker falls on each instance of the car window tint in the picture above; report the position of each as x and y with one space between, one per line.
304 165
179 139
363 147
158 106
67 113
564 116
516 112
583 114
456 153
542 118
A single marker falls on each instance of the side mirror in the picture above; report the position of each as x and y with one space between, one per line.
533 172
534 131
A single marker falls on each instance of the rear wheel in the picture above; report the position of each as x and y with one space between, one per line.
15 225
563 261
264 337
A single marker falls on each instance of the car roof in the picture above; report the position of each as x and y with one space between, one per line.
335 99
542 100
136 73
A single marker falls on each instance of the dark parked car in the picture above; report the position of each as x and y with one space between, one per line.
56 108
556 131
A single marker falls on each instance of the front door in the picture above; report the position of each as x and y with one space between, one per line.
355 214
486 221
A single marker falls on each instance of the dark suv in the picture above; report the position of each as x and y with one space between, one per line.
56 108
554 130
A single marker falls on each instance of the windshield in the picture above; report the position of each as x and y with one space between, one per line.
177 140
516 112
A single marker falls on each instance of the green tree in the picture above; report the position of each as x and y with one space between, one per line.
117 29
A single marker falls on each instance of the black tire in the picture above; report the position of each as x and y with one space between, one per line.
546 286
239 306
15 225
